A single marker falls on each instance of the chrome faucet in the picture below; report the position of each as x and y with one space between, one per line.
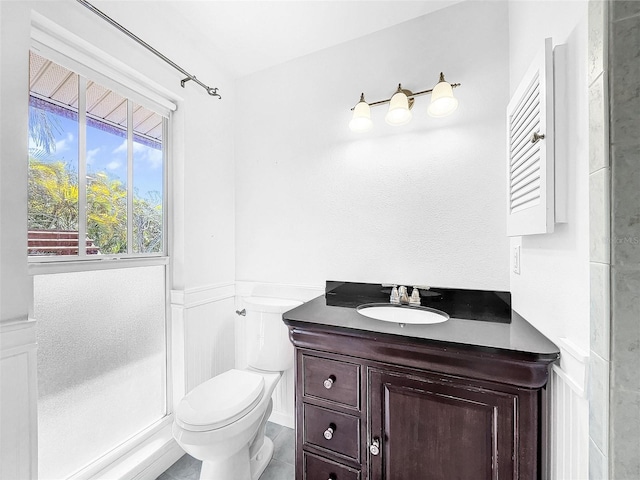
399 296
404 298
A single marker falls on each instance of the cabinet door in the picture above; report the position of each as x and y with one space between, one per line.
432 429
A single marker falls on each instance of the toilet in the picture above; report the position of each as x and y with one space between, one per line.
222 421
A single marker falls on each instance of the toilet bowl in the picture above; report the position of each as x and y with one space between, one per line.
222 421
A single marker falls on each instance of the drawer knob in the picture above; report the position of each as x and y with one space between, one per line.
328 433
333 476
328 383
374 448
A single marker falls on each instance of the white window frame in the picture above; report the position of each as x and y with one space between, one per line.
82 255
76 54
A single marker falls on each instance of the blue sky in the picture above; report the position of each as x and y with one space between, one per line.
107 153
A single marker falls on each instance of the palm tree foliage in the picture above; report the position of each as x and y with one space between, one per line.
53 205
42 130
53 196
107 213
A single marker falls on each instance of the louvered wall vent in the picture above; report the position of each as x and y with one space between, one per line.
524 180
530 150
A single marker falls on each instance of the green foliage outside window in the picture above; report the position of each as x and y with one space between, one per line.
53 196
53 199
53 205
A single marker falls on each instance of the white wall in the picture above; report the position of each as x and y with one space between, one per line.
203 161
18 415
418 204
552 291
14 282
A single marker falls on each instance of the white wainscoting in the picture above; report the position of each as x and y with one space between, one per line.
284 394
142 458
203 328
568 448
18 401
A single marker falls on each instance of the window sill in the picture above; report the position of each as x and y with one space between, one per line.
106 263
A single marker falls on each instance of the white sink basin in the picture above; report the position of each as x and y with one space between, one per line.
402 314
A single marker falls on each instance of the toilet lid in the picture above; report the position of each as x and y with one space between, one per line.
220 400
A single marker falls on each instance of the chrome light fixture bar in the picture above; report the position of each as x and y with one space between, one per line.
443 103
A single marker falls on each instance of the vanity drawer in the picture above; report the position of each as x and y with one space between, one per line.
331 380
318 468
337 432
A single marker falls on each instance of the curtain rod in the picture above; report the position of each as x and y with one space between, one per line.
213 91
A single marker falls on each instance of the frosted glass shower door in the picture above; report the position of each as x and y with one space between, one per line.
101 362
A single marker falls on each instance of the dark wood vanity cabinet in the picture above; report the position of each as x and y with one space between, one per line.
373 407
439 428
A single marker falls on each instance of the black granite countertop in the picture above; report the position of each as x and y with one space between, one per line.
516 336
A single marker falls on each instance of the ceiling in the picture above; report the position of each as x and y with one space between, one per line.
249 36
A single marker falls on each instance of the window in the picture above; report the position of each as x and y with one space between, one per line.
96 169
97 176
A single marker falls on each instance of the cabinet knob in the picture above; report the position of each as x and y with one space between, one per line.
333 476
374 448
328 383
328 433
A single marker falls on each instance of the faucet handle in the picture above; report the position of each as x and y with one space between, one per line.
415 297
395 296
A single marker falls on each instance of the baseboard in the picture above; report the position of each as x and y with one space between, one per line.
282 419
159 465
144 461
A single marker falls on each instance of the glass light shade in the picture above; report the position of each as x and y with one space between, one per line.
443 102
399 113
361 120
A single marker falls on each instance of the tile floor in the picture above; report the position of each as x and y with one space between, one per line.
281 466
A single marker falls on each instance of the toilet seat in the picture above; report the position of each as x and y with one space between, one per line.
220 401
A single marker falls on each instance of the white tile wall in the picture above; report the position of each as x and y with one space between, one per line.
599 240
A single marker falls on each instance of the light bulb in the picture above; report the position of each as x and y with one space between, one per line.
361 120
399 113
443 102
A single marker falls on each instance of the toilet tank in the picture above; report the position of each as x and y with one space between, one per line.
268 344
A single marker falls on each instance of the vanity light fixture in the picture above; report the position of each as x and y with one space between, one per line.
443 103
